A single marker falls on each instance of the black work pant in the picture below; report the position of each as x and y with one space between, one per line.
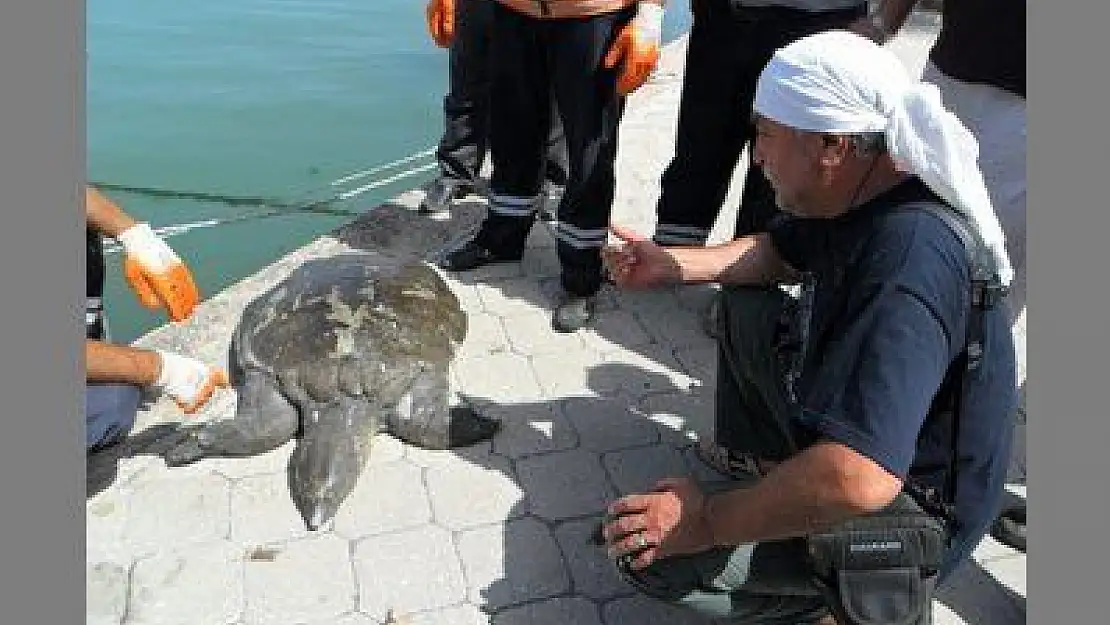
534 58
727 50
466 109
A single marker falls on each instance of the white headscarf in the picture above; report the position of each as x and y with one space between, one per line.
841 82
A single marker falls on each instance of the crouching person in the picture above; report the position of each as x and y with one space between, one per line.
865 425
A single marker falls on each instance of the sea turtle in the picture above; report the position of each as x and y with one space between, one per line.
344 348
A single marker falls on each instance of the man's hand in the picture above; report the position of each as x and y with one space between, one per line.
441 21
637 44
157 275
667 522
188 381
637 262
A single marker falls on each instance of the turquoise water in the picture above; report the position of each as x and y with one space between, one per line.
272 99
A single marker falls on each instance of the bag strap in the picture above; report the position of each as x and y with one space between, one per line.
987 291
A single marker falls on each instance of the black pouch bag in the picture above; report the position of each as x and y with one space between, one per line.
881 568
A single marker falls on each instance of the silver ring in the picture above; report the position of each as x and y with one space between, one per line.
641 542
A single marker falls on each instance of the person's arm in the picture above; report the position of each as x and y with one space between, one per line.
884 22
637 262
826 483
122 364
104 215
188 381
821 486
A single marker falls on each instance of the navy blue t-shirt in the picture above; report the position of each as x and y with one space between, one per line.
890 310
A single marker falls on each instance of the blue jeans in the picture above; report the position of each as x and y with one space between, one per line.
110 411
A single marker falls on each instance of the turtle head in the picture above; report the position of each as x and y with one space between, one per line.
323 469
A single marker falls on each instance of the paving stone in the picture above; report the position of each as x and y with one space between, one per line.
531 429
640 610
567 375
1010 572
682 418
348 619
637 470
653 369
411 571
511 564
106 592
387 498
479 453
262 511
168 512
530 334
614 331
605 424
472 494
565 485
485 335
460 615
515 297
467 295
551 612
105 524
592 573
304 580
676 326
504 378
974 594
271 462
700 363
198 585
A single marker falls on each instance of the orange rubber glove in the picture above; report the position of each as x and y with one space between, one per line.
637 44
188 381
441 21
157 275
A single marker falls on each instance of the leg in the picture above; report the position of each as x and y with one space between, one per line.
519 124
110 411
591 109
708 140
752 410
465 107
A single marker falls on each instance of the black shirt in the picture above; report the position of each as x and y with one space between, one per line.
889 319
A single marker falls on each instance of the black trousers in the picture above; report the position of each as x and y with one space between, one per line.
728 48
534 58
466 109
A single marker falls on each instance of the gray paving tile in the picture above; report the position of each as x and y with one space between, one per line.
505 378
262 510
682 418
388 498
168 512
460 615
106 587
613 331
551 612
274 461
531 429
607 424
567 375
700 363
199 585
637 470
591 572
530 334
565 485
639 610
305 580
511 564
466 495
514 297
411 571
677 327
652 369
485 335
